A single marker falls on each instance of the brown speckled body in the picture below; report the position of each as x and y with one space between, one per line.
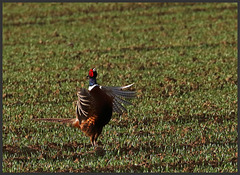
100 115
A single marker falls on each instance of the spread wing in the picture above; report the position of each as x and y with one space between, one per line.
119 97
85 105
84 109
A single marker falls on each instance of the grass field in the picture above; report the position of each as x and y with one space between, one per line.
181 57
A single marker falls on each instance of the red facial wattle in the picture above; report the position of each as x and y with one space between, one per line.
91 73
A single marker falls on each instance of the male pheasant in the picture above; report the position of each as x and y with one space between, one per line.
95 106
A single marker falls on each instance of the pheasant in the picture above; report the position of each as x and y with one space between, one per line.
95 106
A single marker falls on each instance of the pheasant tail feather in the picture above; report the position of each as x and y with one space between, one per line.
74 121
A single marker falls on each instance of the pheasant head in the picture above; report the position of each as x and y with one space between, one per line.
92 77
